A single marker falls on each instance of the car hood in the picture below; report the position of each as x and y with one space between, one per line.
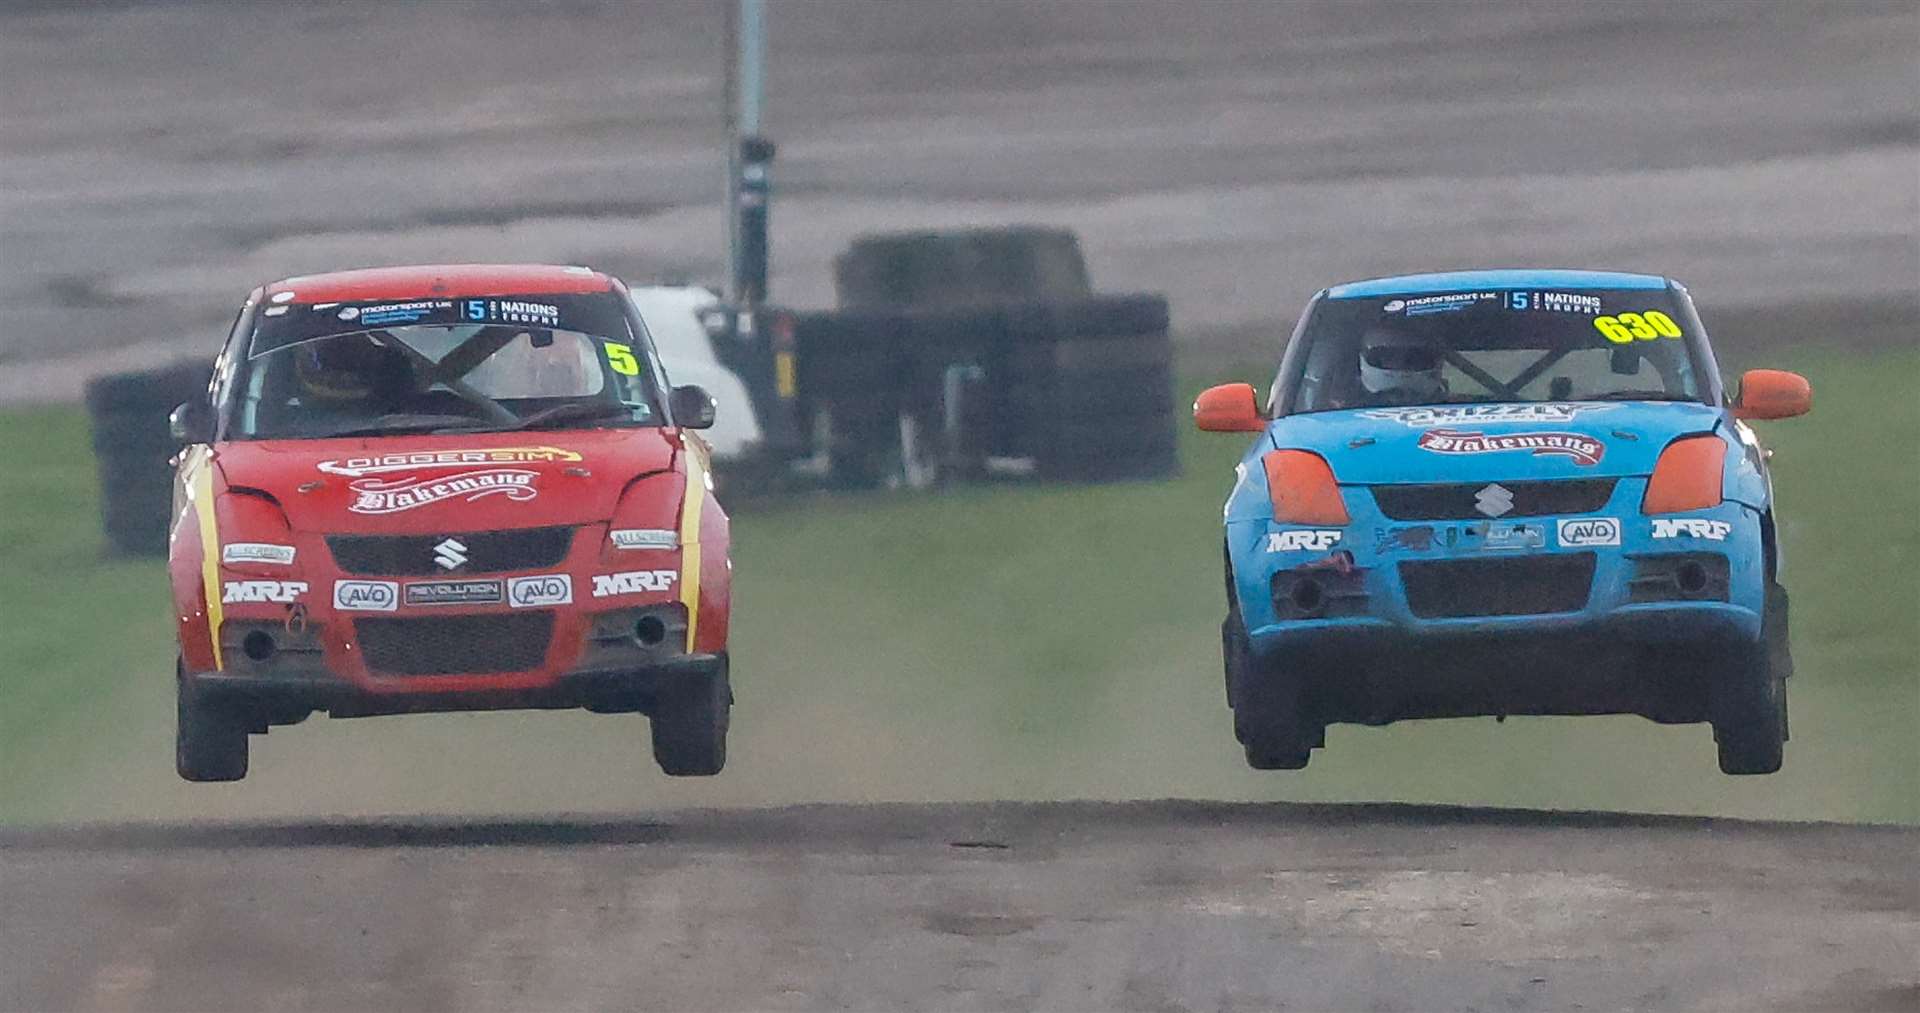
1474 443
425 484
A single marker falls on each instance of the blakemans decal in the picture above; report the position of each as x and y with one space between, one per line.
607 585
644 538
391 496
1302 541
1576 531
454 592
366 595
529 592
1542 411
1585 450
242 591
257 552
1691 527
380 464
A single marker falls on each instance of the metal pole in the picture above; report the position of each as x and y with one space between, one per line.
753 51
730 115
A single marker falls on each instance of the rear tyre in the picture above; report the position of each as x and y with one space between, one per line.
1269 704
1749 702
210 736
690 721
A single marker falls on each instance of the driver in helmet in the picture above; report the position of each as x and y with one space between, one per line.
353 373
1398 368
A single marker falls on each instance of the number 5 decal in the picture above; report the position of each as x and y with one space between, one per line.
620 357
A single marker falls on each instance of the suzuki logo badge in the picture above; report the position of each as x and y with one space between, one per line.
1493 500
450 554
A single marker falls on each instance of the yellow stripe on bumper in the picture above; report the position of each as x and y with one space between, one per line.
691 505
200 488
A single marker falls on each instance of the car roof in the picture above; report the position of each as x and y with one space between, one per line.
440 280
1462 281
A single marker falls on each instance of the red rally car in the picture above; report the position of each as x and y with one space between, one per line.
446 488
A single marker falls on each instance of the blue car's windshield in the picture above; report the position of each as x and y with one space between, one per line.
1495 346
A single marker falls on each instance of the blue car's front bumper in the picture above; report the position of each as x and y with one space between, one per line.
1438 616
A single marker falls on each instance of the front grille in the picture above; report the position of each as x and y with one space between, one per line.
455 645
486 551
1460 501
1525 586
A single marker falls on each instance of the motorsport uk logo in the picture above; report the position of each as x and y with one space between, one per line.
1585 450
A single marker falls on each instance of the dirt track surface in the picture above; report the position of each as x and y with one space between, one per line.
1152 906
158 160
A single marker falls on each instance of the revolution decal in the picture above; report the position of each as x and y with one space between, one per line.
391 496
1584 450
360 467
1691 527
1542 411
1502 536
244 591
455 592
1302 541
1580 531
366 595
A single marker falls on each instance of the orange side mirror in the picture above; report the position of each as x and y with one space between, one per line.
1228 408
1772 394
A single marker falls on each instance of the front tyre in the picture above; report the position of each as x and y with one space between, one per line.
689 720
1749 701
210 736
1269 704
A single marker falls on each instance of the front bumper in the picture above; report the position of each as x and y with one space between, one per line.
605 690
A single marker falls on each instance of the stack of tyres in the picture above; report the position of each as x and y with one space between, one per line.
1093 382
133 450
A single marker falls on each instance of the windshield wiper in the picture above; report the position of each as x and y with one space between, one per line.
573 411
400 422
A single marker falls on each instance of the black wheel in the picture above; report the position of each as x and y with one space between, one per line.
210 737
1269 704
690 725
1749 702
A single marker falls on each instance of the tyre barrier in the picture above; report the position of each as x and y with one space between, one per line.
1083 388
133 451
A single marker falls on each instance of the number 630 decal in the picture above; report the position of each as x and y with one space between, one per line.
1626 328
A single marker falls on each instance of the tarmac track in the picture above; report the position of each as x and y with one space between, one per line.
1137 906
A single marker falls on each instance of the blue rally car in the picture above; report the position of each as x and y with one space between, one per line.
1503 492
